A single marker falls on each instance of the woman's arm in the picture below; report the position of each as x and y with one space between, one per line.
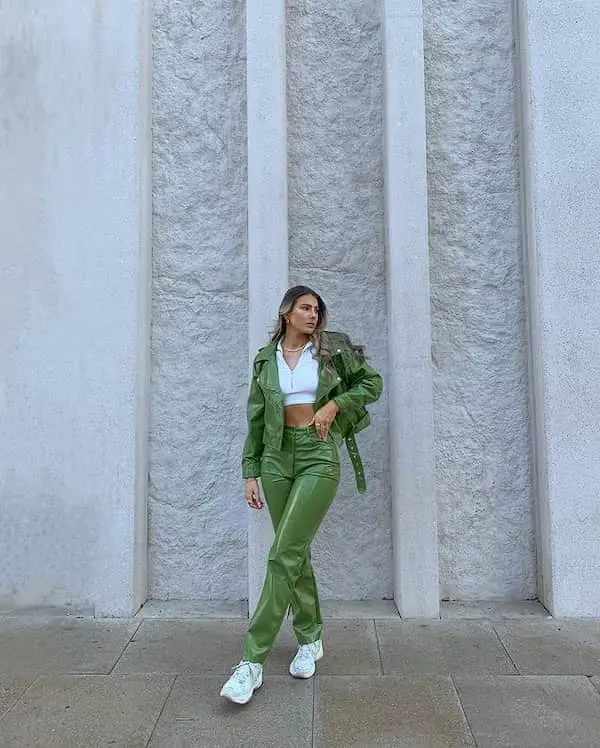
253 446
365 383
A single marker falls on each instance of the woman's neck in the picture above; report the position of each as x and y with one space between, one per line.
293 339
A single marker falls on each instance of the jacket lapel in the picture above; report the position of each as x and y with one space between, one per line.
328 379
270 375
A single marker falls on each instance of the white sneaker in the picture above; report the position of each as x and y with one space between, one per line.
303 664
245 679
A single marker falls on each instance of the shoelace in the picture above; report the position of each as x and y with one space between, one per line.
236 671
306 650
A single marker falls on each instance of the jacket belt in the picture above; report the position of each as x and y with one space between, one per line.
354 454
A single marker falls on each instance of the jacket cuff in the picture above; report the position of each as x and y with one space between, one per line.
251 469
343 402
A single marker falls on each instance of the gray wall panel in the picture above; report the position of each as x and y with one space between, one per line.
480 380
336 245
197 514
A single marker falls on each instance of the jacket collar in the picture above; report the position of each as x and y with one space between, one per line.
265 353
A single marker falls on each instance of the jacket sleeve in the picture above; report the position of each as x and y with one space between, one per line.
365 384
253 446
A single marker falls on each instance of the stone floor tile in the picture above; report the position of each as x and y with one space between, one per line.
279 716
531 711
46 611
12 687
189 646
553 647
596 682
91 711
194 609
359 609
441 647
388 711
492 610
67 645
350 646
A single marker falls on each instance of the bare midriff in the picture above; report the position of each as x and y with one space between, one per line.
298 415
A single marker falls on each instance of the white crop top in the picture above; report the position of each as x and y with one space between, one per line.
298 385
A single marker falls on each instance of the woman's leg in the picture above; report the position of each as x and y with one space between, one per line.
306 607
305 598
309 499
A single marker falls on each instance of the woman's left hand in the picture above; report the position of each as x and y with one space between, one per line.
323 418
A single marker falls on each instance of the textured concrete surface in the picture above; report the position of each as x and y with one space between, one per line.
335 89
12 687
194 609
553 647
531 712
239 609
195 716
197 515
492 610
414 712
359 609
42 645
348 703
447 647
351 647
71 711
199 647
483 459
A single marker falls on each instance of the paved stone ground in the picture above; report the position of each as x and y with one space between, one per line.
492 676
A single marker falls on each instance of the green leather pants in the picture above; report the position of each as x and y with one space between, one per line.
299 483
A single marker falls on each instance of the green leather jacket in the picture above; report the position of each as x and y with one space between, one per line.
350 382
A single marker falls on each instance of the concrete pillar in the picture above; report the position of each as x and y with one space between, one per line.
414 510
75 208
560 80
267 211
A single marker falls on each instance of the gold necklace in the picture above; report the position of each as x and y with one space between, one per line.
292 350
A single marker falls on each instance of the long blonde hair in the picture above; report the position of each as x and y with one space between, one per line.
320 337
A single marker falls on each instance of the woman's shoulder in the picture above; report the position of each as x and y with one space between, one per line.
336 339
265 351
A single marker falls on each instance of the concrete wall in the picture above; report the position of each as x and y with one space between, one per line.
74 297
335 95
560 79
483 453
197 514
73 304
336 229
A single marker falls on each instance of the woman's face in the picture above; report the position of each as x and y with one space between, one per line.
304 316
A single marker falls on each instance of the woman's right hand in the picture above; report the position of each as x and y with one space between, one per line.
253 494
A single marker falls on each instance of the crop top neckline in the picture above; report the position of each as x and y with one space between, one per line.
298 385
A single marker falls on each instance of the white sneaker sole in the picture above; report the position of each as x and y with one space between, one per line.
234 700
305 675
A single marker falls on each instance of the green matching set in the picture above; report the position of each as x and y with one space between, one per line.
300 473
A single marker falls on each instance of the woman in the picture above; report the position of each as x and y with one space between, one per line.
308 393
